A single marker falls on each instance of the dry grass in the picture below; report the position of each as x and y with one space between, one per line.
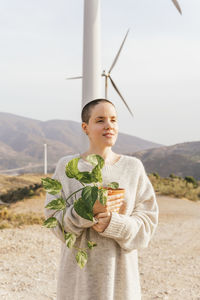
26 212
8 219
8 182
29 211
176 187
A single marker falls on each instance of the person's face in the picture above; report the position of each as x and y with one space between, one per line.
102 128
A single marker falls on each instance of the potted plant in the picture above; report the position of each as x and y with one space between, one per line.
91 191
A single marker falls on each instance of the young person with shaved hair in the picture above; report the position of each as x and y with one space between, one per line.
111 272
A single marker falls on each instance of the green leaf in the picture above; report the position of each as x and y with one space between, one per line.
84 177
95 160
89 196
91 244
70 239
113 185
82 210
58 204
52 186
50 222
71 169
102 196
81 258
96 174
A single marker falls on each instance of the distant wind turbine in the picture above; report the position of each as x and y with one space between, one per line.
45 159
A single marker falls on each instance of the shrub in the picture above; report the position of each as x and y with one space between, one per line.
156 175
191 179
173 176
20 193
176 187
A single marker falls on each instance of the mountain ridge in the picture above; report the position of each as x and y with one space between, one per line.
22 142
24 138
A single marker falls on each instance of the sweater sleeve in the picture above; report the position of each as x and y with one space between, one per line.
135 231
72 222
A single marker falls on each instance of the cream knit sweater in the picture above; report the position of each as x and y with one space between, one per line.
111 272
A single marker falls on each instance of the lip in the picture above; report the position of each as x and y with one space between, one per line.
108 135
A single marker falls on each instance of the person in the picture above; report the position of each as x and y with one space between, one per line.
111 272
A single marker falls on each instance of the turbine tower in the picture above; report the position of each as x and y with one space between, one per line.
91 83
45 159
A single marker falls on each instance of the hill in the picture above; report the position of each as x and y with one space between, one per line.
180 159
22 140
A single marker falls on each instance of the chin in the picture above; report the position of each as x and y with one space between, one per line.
111 142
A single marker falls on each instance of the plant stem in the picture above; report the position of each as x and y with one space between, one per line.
73 194
64 211
54 213
77 248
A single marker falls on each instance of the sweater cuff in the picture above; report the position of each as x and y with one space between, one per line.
116 228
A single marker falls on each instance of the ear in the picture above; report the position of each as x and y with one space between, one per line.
84 127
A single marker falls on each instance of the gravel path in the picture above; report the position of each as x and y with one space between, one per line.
169 267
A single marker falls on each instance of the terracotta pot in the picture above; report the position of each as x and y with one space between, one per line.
115 192
102 208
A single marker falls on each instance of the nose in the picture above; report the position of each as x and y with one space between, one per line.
108 124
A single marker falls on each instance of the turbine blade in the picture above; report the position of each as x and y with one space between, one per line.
77 77
115 87
118 53
177 6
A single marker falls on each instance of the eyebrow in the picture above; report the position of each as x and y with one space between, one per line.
113 117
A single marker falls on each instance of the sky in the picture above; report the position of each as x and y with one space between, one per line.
158 71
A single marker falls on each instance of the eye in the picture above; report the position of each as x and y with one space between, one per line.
114 120
99 121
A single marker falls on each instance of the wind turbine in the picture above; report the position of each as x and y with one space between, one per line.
108 76
45 159
91 84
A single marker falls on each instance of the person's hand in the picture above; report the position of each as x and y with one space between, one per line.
122 209
114 203
103 221
99 208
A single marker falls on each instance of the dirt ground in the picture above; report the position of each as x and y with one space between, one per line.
169 267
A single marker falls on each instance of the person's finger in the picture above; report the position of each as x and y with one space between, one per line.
95 227
98 227
103 215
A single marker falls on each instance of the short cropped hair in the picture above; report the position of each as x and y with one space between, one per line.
86 111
